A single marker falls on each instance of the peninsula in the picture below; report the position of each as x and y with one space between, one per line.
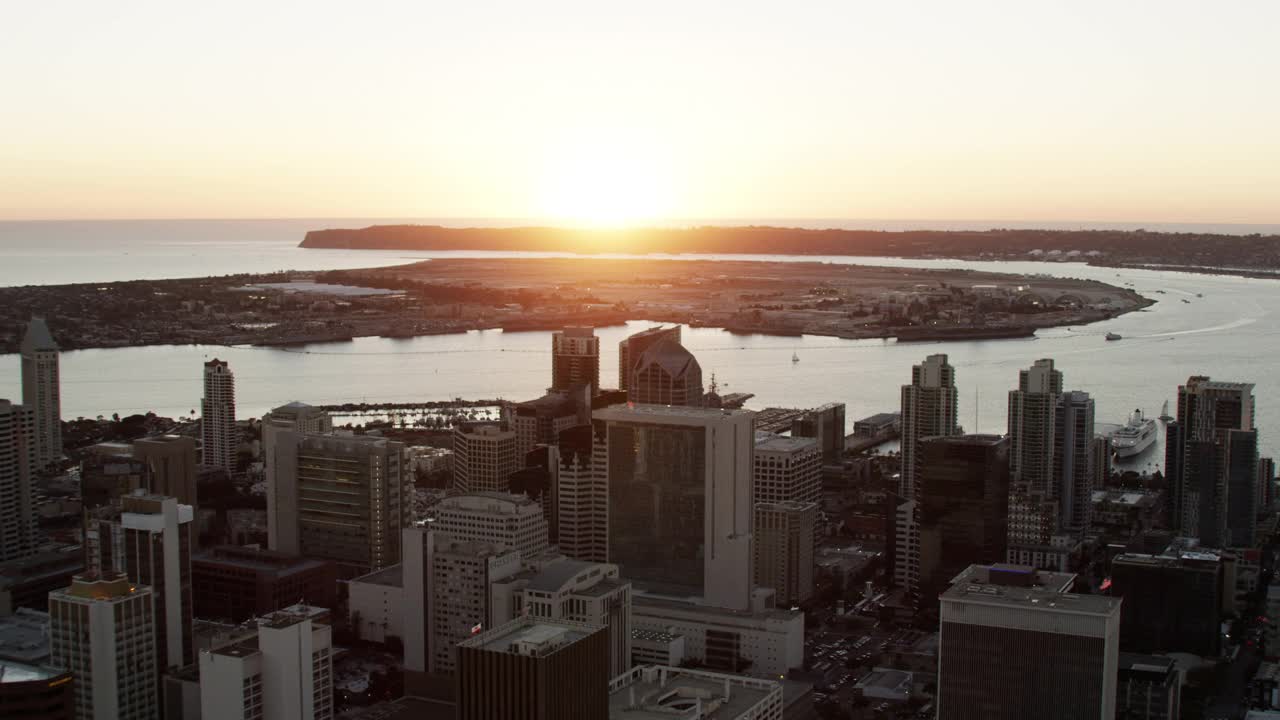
1190 252
444 296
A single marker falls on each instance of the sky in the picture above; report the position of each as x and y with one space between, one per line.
598 112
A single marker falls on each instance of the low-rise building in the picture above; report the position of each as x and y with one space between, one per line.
761 642
239 583
656 647
375 605
1149 687
656 692
35 692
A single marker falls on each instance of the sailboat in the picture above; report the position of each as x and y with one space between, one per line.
795 358
1164 412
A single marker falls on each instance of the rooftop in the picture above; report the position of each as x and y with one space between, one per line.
38 336
655 692
881 418
558 574
784 444
639 412
293 615
251 558
16 672
1025 587
24 636
530 636
390 577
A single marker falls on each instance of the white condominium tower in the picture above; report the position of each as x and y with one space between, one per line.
40 390
218 416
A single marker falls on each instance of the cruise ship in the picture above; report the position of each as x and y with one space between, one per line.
1134 438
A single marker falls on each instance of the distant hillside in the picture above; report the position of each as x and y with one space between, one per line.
1105 246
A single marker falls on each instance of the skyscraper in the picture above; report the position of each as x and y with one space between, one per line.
964 498
825 424
666 374
1074 458
149 539
575 358
18 529
218 416
1034 488
1211 456
928 410
102 629
343 498
630 350
448 590
484 456
282 499
512 521
1015 643
679 482
787 469
171 465
41 390
783 547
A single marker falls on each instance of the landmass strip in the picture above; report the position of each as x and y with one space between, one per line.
444 296
1254 255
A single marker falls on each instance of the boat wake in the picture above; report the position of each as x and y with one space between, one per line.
1216 328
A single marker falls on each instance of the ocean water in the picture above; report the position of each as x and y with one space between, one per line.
1228 328
57 252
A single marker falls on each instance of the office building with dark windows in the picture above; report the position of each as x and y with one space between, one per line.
575 358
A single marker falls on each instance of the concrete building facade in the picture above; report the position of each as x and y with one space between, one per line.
18 463
218 433
484 456
575 358
783 547
41 390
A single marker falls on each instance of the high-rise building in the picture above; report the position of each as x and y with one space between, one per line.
540 422
449 595
787 469
218 416
102 629
1073 459
149 539
582 497
630 350
512 521
41 390
666 374
1150 688
928 410
18 529
1171 604
964 503
240 583
534 669
1266 483
783 546
484 456
342 498
1035 487
680 485
282 499
1015 643
1211 461
826 425
284 670
587 592
575 358
171 466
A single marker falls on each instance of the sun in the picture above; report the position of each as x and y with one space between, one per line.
601 182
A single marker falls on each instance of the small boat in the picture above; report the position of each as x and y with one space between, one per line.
1164 412
1113 336
1186 301
1134 438
795 358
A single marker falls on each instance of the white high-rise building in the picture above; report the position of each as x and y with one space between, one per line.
282 500
149 538
1035 503
102 629
18 530
218 416
680 491
484 456
41 391
285 671
449 595
513 521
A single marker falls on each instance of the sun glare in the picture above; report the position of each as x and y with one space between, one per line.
613 182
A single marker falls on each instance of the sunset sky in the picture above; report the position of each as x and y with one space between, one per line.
603 112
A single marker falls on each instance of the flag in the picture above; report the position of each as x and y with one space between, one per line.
475 629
